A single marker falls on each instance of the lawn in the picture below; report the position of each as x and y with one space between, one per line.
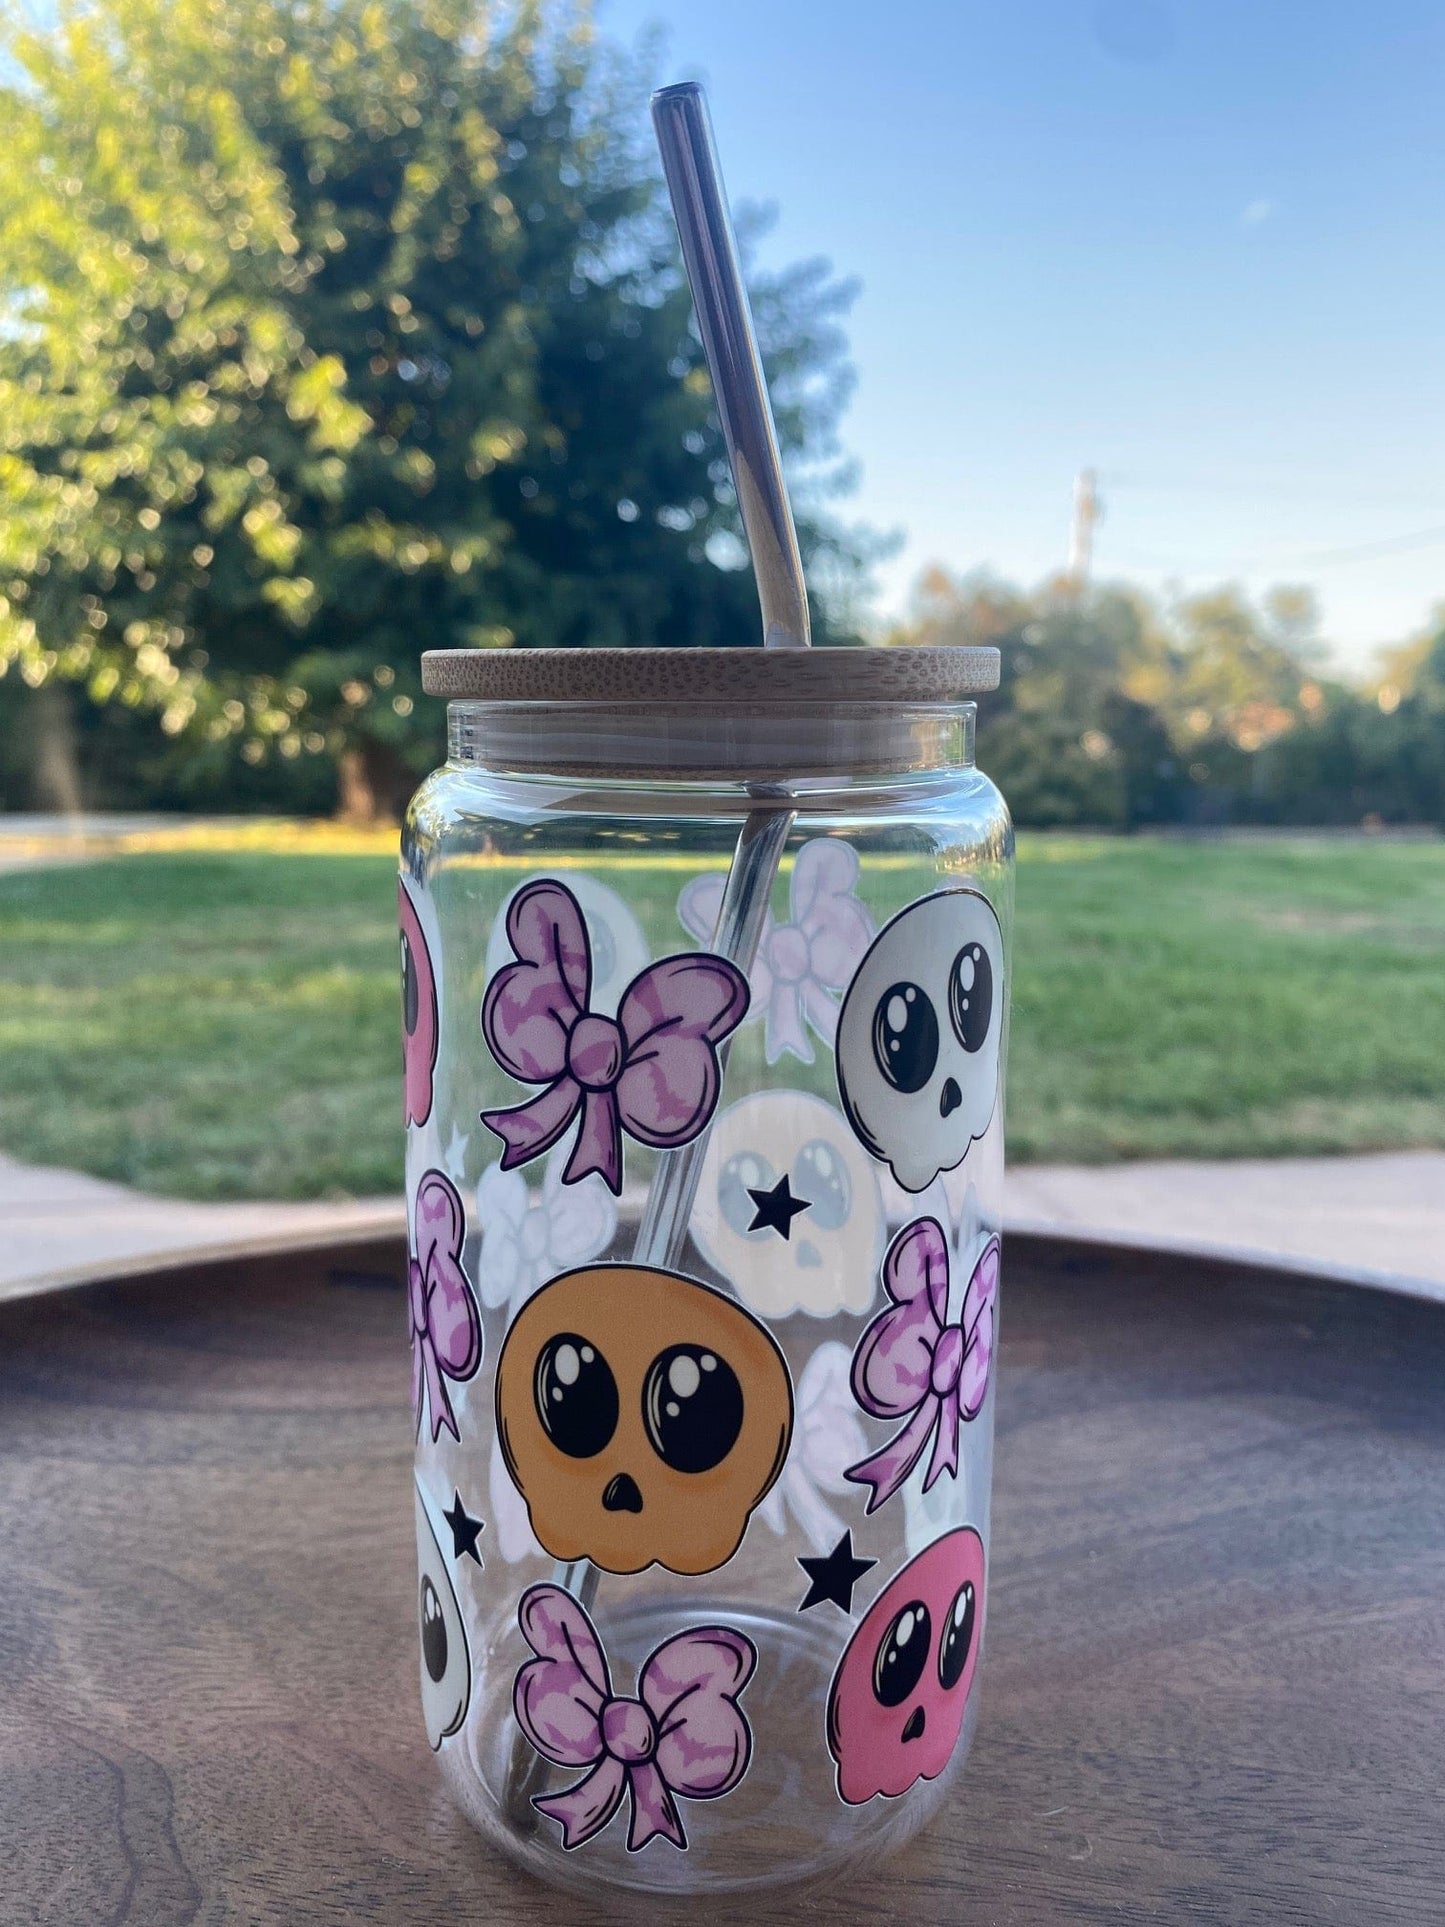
224 1023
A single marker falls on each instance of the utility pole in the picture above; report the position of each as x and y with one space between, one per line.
1087 510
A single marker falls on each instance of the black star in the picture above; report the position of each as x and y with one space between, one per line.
464 1530
835 1577
777 1208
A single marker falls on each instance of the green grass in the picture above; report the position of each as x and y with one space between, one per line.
1250 998
224 1024
214 1026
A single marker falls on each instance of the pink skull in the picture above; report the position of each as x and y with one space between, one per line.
898 1697
418 1011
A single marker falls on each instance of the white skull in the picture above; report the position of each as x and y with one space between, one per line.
829 1260
446 1664
918 1035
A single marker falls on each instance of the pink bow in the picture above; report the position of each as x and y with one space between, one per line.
652 1071
684 1733
446 1327
911 1363
803 966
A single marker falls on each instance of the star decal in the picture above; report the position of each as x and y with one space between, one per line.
835 1577
776 1209
465 1530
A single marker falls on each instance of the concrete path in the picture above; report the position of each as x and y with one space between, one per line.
47 842
62 1228
41 842
1380 1219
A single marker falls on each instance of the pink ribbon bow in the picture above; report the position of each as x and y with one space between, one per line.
803 966
683 1734
446 1327
911 1363
652 1071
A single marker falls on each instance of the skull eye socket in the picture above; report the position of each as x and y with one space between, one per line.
905 1036
902 1654
446 1665
745 1171
957 1642
410 988
823 1181
692 1408
433 1632
970 996
575 1395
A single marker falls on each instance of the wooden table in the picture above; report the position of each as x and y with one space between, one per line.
1215 1686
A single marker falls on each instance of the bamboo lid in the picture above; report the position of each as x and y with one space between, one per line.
716 677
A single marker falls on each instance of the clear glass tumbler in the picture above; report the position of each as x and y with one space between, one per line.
705 961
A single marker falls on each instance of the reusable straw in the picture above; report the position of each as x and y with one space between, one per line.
709 252
710 255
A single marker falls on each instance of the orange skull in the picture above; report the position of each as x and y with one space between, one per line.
642 1416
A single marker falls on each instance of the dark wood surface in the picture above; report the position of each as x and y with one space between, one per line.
1215 1684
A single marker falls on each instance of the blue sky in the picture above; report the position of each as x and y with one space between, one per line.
1196 246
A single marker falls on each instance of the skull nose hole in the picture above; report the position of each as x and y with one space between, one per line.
622 1494
914 1728
951 1098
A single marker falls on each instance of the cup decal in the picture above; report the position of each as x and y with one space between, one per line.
454 1158
652 1071
918 1036
803 965
465 1528
832 1577
896 1706
516 1540
446 1664
682 1735
446 1327
419 1025
913 1364
619 948
527 1238
828 1437
642 1417
828 1261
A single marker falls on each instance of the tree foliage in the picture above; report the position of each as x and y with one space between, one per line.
339 329
1114 712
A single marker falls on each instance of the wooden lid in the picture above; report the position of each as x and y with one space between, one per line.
753 676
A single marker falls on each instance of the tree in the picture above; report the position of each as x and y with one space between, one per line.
1063 737
339 329
1402 666
1112 713
1242 675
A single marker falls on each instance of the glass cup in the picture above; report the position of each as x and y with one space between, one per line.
705 983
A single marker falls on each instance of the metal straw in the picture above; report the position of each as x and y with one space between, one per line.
709 252
725 322
710 255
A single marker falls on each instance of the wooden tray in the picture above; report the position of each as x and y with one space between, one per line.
1215 1685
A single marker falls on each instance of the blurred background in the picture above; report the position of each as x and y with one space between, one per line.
1103 330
